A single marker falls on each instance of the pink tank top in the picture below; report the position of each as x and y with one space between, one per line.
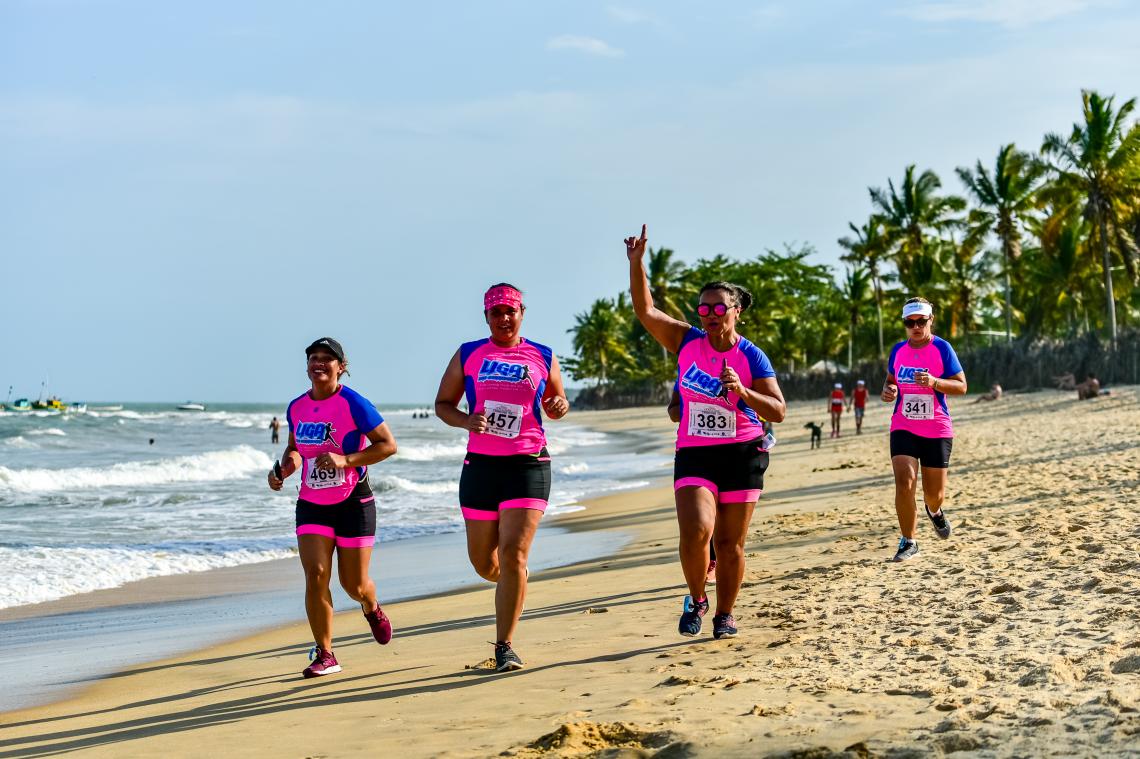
337 424
710 414
921 410
506 385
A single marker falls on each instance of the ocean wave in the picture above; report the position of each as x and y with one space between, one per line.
45 573
432 451
230 464
49 431
576 468
19 442
391 482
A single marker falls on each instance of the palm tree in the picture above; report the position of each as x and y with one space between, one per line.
666 282
1003 197
855 288
869 248
598 342
1098 165
912 214
968 280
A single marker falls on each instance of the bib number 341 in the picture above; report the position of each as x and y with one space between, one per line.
918 407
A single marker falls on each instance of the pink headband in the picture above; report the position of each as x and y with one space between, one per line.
502 296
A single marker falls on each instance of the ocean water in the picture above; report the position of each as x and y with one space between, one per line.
87 502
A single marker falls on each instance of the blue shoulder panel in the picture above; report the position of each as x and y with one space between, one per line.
694 333
547 353
758 362
467 349
364 414
950 363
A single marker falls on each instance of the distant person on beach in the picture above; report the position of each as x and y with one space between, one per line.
859 403
993 395
835 407
675 416
921 371
505 483
335 434
728 389
1090 388
275 431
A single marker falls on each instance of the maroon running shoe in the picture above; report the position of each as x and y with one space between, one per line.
380 624
324 663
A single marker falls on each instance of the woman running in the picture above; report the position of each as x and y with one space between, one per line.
505 482
728 388
921 371
334 435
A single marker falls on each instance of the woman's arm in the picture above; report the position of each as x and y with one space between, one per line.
955 385
447 400
665 329
554 397
383 445
765 398
290 462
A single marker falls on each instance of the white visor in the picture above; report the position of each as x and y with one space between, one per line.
860 382
917 309
838 385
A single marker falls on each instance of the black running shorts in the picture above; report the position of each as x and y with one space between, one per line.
734 472
352 522
932 452
490 483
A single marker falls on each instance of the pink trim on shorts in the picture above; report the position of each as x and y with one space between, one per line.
544 458
362 542
524 503
369 498
316 529
740 496
479 515
694 482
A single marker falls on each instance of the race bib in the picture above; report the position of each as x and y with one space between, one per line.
707 420
319 479
503 419
918 407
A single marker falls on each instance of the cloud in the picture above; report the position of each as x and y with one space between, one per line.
1009 13
588 45
629 15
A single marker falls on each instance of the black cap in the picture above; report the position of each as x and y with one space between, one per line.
327 344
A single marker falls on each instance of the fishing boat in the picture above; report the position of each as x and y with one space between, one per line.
192 406
51 404
20 405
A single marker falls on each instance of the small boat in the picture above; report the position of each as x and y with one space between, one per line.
21 404
51 404
192 406
115 407
76 408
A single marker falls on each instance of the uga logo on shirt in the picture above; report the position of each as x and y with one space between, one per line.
702 383
502 371
906 373
313 433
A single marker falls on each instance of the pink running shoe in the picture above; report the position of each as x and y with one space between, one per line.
380 624
324 663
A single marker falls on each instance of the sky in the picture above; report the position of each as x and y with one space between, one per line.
194 191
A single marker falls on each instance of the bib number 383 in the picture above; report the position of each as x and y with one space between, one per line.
918 407
707 420
319 479
503 419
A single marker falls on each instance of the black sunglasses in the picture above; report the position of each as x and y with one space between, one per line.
720 309
909 323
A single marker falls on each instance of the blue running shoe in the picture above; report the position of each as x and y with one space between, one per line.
724 626
907 549
690 623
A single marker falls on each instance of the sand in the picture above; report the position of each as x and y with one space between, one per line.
1019 636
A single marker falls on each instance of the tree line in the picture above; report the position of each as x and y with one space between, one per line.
1037 245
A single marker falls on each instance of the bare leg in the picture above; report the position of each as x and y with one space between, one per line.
316 559
732 520
352 566
934 487
906 480
696 517
483 547
516 533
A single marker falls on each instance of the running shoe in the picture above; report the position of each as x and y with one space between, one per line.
324 663
506 660
710 573
907 549
724 626
690 623
941 523
380 624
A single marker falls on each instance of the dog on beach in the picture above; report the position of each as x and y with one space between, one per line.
816 434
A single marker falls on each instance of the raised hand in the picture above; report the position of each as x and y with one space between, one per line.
635 246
